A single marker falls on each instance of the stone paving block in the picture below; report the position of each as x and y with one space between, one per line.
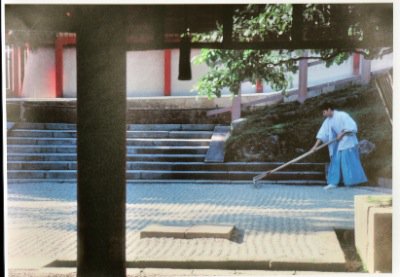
160 231
380 240
209 231
278 223
373 231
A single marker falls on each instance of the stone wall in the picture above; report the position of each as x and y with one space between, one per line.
49 111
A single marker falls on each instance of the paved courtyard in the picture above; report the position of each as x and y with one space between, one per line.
274 223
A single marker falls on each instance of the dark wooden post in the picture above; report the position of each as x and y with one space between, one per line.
101 126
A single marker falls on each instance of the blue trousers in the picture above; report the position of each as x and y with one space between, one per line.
345 167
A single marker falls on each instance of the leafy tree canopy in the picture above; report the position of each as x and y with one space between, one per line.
228 68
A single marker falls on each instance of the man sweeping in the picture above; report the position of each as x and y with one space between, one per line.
345 166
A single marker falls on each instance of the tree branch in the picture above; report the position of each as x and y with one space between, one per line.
328 57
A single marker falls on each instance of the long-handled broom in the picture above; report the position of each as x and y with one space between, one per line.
265 174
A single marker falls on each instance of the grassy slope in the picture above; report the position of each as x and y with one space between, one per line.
296 126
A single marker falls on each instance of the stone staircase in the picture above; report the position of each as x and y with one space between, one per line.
163 152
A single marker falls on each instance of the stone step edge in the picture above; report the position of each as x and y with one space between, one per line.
174 163
127 139
20 133
129 146
170 171
75 154
181 181
133 127
194 131
166 162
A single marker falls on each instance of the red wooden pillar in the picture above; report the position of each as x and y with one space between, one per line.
59 66
16 68
61 41
356 64
167 72
259 86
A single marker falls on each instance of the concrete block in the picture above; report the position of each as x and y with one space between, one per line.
373 231
160 231
187 232
210 231
216 150
380 239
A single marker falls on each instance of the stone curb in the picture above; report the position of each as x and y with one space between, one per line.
222 265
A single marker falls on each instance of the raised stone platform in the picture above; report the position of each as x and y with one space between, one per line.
191 232
140 110
373 231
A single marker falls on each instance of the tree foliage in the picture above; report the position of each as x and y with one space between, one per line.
228 68
257 23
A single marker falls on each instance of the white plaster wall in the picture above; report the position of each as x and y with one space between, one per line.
69 72
180 88
184 88
385 62
316 75
320 74
247 87
145 73
40 79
